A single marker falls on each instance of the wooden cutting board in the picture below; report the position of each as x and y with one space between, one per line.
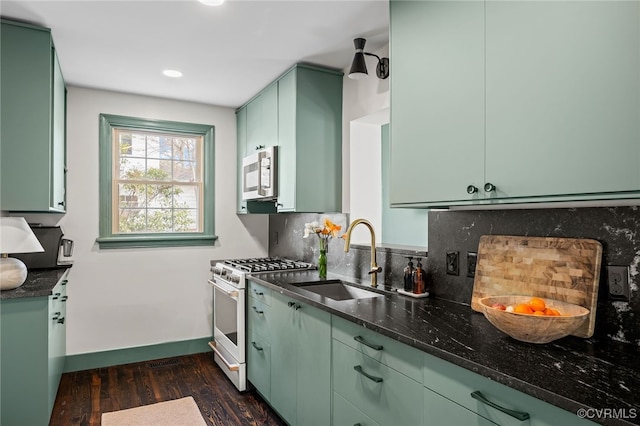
565 269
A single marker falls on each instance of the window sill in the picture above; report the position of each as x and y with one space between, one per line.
147 241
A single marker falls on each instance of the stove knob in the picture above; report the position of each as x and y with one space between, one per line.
234 278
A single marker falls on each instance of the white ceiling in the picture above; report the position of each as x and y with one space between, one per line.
227 53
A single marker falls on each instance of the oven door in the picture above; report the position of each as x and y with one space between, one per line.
229 320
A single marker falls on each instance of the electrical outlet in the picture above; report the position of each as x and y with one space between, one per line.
472 260
452 263
618 280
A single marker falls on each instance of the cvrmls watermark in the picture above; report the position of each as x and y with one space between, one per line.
607 413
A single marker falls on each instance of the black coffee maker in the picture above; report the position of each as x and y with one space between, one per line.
56 249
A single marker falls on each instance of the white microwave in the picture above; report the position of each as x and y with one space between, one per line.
260 175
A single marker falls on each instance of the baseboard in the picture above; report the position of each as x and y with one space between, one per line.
91 360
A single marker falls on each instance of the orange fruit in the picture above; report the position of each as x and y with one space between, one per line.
551 312
537 304
523 308
538 313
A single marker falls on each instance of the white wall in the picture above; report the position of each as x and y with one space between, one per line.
364 103
136 297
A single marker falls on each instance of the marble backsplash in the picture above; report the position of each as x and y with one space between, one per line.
617 228
286 240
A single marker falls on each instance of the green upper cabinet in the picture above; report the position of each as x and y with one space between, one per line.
241 149
437 100
540 100
33 117
310 140
301 113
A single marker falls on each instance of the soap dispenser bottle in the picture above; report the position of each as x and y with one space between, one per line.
408 275
419 279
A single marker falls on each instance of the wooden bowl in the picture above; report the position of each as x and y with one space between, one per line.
534 328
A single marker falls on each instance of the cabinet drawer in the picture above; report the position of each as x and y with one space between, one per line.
457 384
260 292
259 318
259 365
387 396
396 355
345 414
438 410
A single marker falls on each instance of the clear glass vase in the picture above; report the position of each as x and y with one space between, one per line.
322 259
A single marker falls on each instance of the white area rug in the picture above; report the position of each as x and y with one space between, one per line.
179 412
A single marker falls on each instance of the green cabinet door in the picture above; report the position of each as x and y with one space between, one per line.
562 97
33 340
58 169
32 109
287 164
283 357
262 119
310 140
241 150
313 381
300 362
437 101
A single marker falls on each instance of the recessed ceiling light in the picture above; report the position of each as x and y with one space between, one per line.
172 73
212 2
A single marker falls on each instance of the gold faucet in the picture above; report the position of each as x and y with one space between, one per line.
347 242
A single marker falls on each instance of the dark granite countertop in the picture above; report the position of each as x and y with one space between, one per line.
571 373
39 283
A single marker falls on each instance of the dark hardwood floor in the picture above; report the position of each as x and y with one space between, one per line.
84 395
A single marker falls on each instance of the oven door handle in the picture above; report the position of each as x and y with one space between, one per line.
230 293
231 367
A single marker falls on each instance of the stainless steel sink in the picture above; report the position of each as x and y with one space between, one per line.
337 290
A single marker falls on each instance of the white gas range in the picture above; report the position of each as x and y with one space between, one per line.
228 279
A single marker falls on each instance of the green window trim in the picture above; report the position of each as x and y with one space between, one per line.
109 240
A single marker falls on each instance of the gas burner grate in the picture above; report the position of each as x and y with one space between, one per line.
268 264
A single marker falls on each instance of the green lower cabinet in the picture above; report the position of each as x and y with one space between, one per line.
300 362
439 411
33 333
345 414
457 384
259 365
387 396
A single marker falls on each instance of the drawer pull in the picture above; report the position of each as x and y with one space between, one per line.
520 415
360 339
56 315
257 311
64 298
259 293
56 296
64 282
290 304
61 320
368 376
257 348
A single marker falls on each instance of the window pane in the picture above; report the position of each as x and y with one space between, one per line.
184 149
160 220
131 196
138 145
158 169
132 168
132 220
185 171
159 196
125 143
185 197
185 220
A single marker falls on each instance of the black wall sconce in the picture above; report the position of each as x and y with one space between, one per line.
359 67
